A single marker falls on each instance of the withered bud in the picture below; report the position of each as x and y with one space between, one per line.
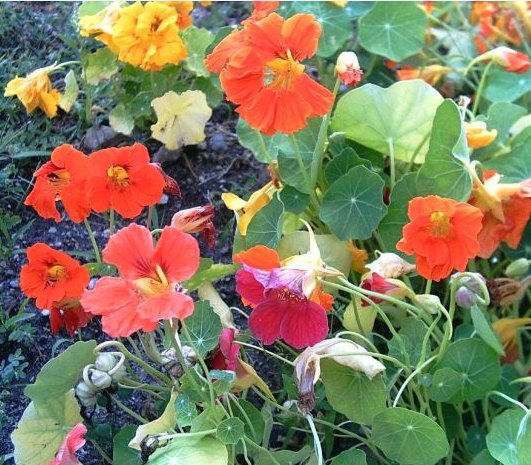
197 220
504 292
348 68
390 265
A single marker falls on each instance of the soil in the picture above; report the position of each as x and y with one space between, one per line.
203 172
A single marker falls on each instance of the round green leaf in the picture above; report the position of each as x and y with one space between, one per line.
504 86
294 201
43 428
350 457
393 29
263 147
401 114
445 384
352 393
476 363
191 451
353 205
121 120
509 439
408 437
266 226
342 163
204 326
100 65
196 40
230 431
515 165
121 452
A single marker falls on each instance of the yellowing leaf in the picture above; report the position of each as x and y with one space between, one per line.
181 118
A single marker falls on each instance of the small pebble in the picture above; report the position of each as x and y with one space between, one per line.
14 283
217 142
106 233
52 230
164 199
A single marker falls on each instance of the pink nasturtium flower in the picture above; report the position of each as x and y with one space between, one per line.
74 441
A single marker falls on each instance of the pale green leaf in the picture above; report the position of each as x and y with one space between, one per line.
121 120
196 40
191 451
100 65
69 95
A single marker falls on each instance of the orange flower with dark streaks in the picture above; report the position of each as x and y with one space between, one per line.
125 180
51 275
148 289
506 210
442 234
61 179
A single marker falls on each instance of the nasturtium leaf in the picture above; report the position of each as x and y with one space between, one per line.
394 30
293 200
509 438
209 419
186 410
204 327
483 458
121 120
485 331
350 457
196 40
352 393
100 65
508 374
251 417
342 163
293 457
335 253
476 363
412 334
43 427
89 8
505 86
59 375
353 205
409 437
224 380
121 452
264 148
69 96
401 115
163 424
443 172
181 118
211 88
475 439
445 384
191 451
196 388
335 21
266 226
210 273
514 166
230 431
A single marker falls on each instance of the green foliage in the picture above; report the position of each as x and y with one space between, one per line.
350 457
230 431
509 440
191 451
505 86
204 327
265 227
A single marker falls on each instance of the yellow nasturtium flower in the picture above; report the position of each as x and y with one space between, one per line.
507 330
101 24
147 36
246 209
477 135
35 90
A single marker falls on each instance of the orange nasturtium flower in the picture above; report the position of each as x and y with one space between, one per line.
124 179
35 90
266 79
68 313
442 234
61 179
477 134
431 73
147 290
506 210
100 25
183 10
511 60
507 330
51 275
147 36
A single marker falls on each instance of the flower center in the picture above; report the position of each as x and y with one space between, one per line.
55 273
118 175
440 224
281 72
153 285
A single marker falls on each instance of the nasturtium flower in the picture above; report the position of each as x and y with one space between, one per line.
359 258
246 209
507 58
348 68
442 234
75 440
390 265
431 73
478 136
147 36
51 275
262 73
183 10
507 330
498 21
392 287
506 211
35 90
147 290
124 179
61 179
197 220
69 314
100 25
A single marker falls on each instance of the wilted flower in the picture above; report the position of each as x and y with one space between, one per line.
391 287
35 90
430 74
100 25
430 303
477 135
197 220
348 68
505 291
390 265
68 313
507 58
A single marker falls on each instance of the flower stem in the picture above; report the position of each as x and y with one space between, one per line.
127 410
481 87
316 441
302 168
391 161
93 241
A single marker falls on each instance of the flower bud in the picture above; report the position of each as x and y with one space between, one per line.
197 220
390 265
100 379
518 268
348 68
105 361
477 135
468 290
430 303
465 298
85 394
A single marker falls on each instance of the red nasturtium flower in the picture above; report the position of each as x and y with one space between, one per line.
442 234
51 275
124 179
61 179
511 60
197 220
264 75
286 299
74 441
68 313
147 290
506 211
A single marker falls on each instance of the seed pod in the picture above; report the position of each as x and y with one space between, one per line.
85 394
100 379
105 361
119 374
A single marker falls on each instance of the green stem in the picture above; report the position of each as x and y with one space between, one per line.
93 241
481 87
316 441
285 360
428 286
391 161
166 437
263 147
300 162
127 410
